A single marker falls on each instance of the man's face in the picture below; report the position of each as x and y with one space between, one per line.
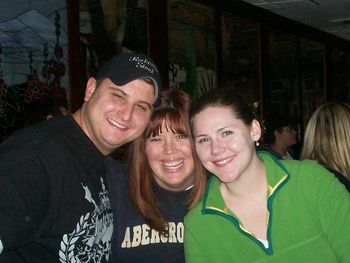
114 115
288 136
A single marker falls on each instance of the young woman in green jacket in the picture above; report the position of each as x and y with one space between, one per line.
257 208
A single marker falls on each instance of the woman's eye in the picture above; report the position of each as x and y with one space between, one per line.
182 136
202 140
154 139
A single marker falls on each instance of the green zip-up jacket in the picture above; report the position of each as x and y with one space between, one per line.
309 220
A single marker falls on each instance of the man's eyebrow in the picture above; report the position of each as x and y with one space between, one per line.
127 95
118 89
221 129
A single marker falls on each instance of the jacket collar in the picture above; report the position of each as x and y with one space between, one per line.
277 176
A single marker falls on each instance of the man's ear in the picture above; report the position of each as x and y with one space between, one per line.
255 130
90 88
276 133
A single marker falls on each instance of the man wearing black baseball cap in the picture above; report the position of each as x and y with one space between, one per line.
54 201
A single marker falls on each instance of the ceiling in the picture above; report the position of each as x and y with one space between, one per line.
331 16
26 25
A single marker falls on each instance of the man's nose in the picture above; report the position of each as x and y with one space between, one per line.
126 112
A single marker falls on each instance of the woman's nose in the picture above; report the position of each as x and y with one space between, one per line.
216 147
170 147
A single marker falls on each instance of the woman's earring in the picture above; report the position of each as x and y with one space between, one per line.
257 143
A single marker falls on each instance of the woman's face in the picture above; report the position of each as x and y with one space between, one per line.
225 144
170 158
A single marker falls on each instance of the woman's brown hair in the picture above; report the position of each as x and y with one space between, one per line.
173 112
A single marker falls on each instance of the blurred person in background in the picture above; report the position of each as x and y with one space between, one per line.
327 139
281 135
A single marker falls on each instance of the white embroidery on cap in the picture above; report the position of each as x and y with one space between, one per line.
144 64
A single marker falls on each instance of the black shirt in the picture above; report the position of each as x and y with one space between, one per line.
54 203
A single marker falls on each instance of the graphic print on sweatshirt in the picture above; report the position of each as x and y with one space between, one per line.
143 235
90 241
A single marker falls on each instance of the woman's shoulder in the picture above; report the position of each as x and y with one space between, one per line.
309 174
194 216
304 166
292 167
341 178
211 192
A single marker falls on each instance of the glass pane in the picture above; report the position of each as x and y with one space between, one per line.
340 75
191 47
33 63
283 70
283 105
240 42
109 27
312 76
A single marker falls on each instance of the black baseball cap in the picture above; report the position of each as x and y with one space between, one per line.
126 67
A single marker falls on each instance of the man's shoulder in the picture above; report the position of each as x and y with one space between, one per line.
25 145
37 134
